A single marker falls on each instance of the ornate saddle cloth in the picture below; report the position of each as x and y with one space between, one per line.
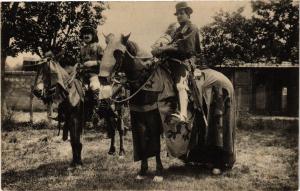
67 87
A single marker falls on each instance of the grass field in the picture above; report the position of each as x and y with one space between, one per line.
36 159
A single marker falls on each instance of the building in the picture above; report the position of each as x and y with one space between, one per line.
265 89
30 63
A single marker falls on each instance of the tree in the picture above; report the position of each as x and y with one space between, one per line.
225 38
272 32
40 26
277 28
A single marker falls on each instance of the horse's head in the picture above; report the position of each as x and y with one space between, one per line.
49 74
114 54
126 56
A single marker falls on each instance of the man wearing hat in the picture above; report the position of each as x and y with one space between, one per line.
181 54
90 57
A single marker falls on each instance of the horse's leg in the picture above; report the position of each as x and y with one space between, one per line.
121 130
159 170
111 132
144 167
112 149
122 150
75 140
159 166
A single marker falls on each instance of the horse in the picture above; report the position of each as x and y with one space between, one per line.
54 84
207 138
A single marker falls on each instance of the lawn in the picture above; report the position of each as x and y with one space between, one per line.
35 158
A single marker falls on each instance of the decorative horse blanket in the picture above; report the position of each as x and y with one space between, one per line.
219 105
67 87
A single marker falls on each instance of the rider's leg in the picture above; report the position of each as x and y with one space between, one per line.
180 74
95 87
182 89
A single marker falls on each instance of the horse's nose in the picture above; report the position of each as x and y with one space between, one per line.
40 86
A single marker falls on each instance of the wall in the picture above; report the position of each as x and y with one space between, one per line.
17 88
269 91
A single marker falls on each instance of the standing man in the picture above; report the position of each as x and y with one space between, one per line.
181 54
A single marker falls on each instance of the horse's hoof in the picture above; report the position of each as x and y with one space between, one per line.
140 177
122 152
216 171
73 164
80 163
112 151
158 179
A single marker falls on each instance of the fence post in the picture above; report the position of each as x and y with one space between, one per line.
31 105
49 112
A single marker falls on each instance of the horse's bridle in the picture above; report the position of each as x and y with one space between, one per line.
119 65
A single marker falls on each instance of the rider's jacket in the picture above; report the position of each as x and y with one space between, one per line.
91 52
187 42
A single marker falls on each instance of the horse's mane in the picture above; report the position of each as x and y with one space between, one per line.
134 49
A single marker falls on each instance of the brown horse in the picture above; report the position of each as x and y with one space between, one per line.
153 99
55 84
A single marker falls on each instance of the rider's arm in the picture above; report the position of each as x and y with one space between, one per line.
99 53
188 44
164 49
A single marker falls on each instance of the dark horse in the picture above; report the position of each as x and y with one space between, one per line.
209 135
54 84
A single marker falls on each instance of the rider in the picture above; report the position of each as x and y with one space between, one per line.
90 57
181 54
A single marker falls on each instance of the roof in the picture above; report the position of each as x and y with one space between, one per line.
31 59
260 65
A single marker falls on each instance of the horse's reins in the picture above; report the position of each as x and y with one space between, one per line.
67 82
142 86
38 73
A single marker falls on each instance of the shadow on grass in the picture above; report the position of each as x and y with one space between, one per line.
27 176
98 172
8 126
190 170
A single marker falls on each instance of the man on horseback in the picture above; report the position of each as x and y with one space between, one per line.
181 55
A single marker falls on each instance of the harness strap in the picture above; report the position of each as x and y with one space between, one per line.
138 57
134 94
36 78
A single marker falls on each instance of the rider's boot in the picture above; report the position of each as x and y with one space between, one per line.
183 102
95 99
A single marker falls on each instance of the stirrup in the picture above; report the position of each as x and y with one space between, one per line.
180 117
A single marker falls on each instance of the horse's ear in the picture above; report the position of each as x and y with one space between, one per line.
106 38
125 38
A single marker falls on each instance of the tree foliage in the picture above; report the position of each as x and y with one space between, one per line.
272 32
37 27
40 26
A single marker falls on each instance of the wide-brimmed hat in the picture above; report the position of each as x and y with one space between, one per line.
89 29
183 5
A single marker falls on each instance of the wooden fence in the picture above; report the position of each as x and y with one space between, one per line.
17 92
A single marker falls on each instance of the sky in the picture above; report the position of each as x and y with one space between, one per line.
148 20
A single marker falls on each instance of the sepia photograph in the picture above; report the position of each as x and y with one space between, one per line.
150 95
